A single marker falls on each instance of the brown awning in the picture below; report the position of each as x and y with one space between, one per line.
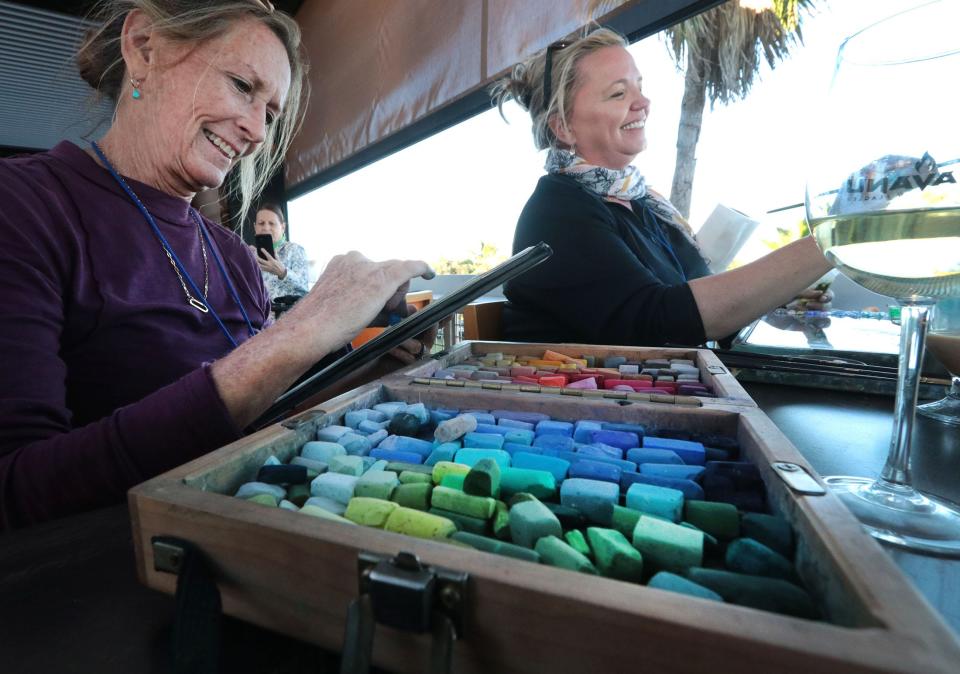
378 66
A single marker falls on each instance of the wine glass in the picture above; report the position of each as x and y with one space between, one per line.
943 340
883 203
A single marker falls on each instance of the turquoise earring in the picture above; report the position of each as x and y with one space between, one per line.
136 88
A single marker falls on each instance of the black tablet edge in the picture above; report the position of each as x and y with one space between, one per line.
406 329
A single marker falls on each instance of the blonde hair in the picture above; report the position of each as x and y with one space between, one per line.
101 65
525 83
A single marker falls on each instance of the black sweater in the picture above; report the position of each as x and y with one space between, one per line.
611 279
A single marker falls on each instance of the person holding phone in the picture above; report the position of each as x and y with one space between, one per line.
283 264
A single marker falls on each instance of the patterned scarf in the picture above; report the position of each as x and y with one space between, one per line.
626 184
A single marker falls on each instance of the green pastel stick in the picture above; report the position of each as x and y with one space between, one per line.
348 464
298 494
720 520
774 532
614 555
483 479
625 520
481 507
745 555
443 468
497 547
767 594
378 484
664 580
452 481
414 495
500 523
464 522
419 524
530 521
540 483
410 477
402 466
575 540
316 511
263 499
370 512
667 546
555 552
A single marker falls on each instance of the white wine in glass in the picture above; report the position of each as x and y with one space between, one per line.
883 203
943 340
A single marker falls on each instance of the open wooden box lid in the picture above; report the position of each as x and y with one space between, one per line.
713 373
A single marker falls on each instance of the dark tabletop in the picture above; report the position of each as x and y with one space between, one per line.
70 600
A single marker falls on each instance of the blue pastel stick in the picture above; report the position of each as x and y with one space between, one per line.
483 440
558 467
679 471
436 416
492 429
595 470
514 447
368 426
402 443
622 439
600 449
515 423
690 452
582 429
573 457
469 456
560 443
378 437
519 436
653 500
689 488
639 429
642 455
529 417
396 455
443 452
482 416
593 498
550 427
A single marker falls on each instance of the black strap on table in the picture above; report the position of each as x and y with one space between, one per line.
196 628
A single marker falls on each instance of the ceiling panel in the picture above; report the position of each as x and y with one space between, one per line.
42 98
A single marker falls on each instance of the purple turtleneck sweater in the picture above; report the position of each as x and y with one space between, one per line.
105 377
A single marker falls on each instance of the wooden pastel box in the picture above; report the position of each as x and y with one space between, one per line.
713 373
298 575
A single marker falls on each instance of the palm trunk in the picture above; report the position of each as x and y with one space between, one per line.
691 119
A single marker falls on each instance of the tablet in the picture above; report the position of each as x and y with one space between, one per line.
406 329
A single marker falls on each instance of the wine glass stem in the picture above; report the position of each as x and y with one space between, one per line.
913 330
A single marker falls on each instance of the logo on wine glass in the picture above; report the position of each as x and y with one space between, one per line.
892 175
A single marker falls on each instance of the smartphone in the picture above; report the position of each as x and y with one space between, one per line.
264 241
407 328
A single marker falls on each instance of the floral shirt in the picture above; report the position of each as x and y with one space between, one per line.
297 281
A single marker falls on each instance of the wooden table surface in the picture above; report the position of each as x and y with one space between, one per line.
70 600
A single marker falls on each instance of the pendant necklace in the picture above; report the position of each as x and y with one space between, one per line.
196 299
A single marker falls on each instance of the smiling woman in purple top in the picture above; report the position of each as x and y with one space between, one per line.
129 325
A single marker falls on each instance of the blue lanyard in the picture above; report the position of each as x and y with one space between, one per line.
166 246
662 238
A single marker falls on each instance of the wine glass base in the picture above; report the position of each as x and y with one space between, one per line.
946 411
900 515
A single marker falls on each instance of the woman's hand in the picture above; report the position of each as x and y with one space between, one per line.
812 299
269 263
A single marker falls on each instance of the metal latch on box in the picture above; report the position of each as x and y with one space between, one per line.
402 593
797 478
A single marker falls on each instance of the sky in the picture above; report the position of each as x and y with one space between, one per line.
444 196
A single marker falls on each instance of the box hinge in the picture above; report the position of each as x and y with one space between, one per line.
402 593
